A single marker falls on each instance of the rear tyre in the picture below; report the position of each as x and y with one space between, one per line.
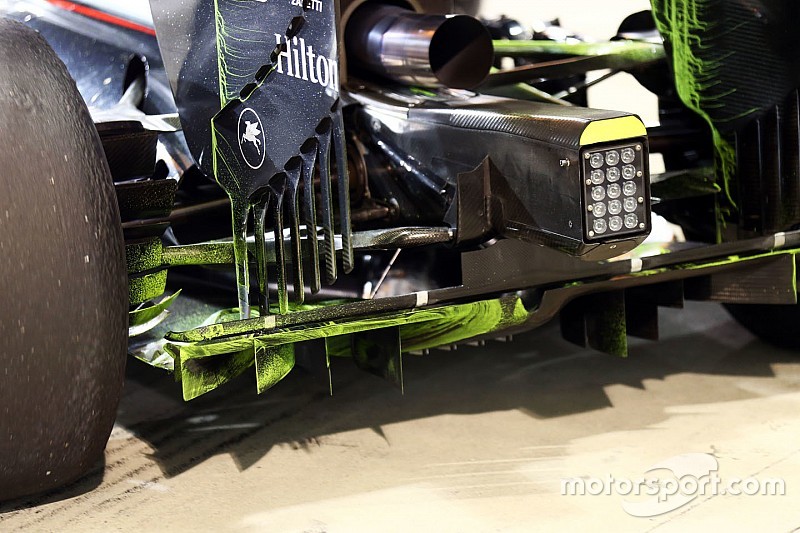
775 324
63 282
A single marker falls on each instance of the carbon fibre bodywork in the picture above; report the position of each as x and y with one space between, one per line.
490 199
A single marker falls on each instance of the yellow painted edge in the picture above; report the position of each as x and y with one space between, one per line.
613 129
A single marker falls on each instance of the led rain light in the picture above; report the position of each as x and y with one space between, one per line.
628 156
628 172
599 209
616 194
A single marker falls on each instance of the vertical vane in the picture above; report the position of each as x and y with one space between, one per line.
257 90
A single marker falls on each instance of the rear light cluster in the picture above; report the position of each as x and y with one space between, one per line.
615 191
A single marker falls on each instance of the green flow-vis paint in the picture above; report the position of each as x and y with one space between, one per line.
257 88
732 61
203 366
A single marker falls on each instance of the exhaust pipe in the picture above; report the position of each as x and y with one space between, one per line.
414 49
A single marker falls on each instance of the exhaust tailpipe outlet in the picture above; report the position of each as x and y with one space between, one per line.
416 49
